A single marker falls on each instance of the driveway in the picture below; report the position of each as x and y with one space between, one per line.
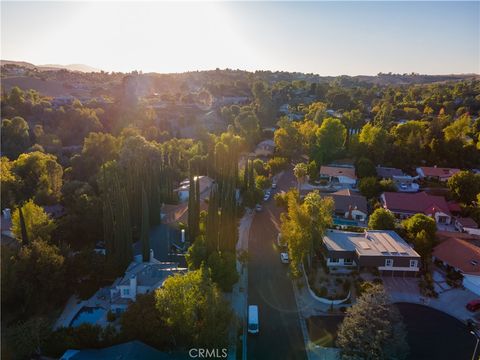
271 289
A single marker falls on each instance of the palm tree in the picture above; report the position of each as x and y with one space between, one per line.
300 170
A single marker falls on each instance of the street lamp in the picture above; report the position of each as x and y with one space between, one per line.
475 332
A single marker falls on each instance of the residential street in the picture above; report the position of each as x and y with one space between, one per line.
271 289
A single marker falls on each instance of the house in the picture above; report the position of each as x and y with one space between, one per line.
388 172
464 257
405 183
339 176
140 278
467 225
132 350
349 205
205 183
404 205
265 148
384 250
7 236
436 173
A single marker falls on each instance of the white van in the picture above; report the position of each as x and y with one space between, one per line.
253 319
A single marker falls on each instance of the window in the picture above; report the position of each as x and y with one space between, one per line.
126 291
333 260
388 262
414 263
348 261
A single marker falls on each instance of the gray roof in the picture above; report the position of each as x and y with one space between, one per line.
345 199
149 274
369 243
388 172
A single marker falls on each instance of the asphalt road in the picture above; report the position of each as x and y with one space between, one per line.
271 289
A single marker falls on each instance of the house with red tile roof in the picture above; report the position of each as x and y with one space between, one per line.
464 257
436 173
339 176
404 205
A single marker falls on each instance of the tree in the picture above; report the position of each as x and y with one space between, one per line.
459 129
381 219
10 183
421 231
248 125
15 136
374 139
384 116
262 182
223 269
41 177
287 139
194 310
365 168
38 224
316 112
330 140
369 187
300 170
143 311
373 329
28 338
464 186
145 231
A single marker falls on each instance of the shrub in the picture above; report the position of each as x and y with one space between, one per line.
111 316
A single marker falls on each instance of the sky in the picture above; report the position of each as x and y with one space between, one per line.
326 38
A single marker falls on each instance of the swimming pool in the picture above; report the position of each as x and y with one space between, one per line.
88 315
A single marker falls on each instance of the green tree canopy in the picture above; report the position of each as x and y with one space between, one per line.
194 310
330 140
373 329
38 223
381 219
464 186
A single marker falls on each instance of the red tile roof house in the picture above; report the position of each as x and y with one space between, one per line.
436 173
340 176
464 257
404 205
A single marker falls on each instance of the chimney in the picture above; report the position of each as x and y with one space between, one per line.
152 258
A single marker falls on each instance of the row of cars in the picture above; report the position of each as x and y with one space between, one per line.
268 194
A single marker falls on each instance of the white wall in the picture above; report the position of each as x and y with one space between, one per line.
472 283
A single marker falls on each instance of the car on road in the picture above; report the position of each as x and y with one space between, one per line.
274 185
473 305
266 197
253 326
284 257
258 208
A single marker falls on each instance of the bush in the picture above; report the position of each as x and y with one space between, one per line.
377 281
111 316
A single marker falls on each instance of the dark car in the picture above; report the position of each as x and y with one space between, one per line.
473 305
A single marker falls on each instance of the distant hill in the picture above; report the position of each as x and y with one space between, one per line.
71 67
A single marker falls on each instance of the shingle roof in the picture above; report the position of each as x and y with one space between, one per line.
468 222
344 199
460 254
387 172
415 203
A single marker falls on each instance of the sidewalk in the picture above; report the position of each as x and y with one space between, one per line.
239 296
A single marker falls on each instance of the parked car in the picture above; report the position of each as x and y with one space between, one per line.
284 257
253 326
473 305
258 207
266 197
274 185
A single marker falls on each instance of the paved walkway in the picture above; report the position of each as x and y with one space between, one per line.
239 295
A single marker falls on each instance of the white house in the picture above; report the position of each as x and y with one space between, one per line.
205 183
340 176
467 225
140 278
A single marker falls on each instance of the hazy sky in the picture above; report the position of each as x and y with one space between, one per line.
328 38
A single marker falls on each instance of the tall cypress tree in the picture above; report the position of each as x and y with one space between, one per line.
23 227
144 237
